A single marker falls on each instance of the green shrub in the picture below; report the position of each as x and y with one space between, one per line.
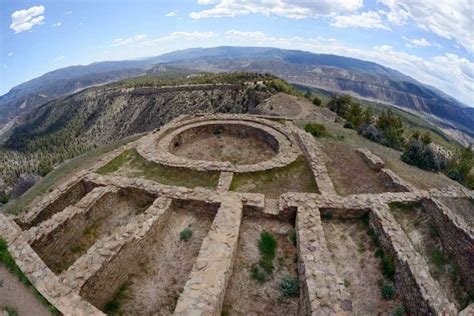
317 101
186 234
290 287
316 129
437 257
388 291
267 244
266 263
258 275
388 266
10 311
293 237
348 125
399 311
113 306
423 156
4 198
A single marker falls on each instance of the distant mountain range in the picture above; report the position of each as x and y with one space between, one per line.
327 72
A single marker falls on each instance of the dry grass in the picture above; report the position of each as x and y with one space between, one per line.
131 164
246 296
296 177
349 242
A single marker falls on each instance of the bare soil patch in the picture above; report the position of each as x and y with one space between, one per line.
353 253
16 295
246 296
349 172
296 177
222 147
463 207
155 288
427 241
282 104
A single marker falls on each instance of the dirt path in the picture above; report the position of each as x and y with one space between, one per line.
15 294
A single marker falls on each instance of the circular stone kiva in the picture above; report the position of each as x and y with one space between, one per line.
221 143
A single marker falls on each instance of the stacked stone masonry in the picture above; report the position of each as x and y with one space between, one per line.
38 238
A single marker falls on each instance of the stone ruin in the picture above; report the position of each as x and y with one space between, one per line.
89 235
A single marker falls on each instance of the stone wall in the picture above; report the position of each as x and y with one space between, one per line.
394 183
204 292
156 146
374 162
129 249
457 238
316 160
421 294
322 290
55 237
68 194
233 129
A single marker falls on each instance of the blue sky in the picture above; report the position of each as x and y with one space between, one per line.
429 40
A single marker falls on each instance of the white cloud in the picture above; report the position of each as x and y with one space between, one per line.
420 42
143 40
172 13
130 40
294 9
24 20
367 20
59 58
68 13
456 80
10 54
57 24
449 19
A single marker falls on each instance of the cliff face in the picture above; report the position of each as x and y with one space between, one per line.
66 127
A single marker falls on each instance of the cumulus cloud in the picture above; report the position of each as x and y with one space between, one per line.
367 20
57 24
10 54
172 13
449 19
287 8
24 20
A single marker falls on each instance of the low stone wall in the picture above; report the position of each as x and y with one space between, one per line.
204 292
394 183
225 180
421 294
316 160
65 195
457 238
234 129
374 162
54 238
42 278
109 264
156 146
322 290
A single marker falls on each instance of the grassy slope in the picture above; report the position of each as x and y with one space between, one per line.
420 178
59 174
411 120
